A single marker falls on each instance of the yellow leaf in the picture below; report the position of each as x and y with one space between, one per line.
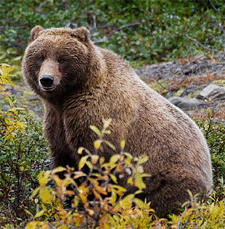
101 161
79 174
43 178
57 180
88 163
130 181
5 74
122 144
94 159
58 169
14 111
127 201
114 158
69 192
114 179
119 190
142 159
28 212
45 195
128 155
31 225
45 226
97 144
106 123
101 190
110 145
96 130
20 125
40 213
80 150
91 212
139 181
140 203
8 121
82 162
63 227
114 197
9 101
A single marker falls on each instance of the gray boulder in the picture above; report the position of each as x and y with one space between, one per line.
187 104
212 91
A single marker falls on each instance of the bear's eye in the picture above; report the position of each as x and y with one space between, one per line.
41 59
61 60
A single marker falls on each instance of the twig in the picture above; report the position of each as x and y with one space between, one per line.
216 9
203 46
40 6
128 25
184 212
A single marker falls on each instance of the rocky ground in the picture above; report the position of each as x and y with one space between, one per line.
196 85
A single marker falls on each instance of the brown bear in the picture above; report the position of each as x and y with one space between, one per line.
81 83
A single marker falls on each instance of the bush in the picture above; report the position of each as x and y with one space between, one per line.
215 135
99 202
23 155
141 31
97 199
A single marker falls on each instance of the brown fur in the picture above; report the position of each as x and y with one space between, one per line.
91 83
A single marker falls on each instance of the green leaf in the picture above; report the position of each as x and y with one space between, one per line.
34 193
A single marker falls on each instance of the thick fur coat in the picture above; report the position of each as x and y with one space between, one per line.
81 83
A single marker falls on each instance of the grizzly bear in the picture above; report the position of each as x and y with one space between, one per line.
81 83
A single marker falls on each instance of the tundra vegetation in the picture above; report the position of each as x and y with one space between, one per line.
143 32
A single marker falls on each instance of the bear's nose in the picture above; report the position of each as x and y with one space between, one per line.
46 81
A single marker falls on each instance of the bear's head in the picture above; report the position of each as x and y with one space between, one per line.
60 60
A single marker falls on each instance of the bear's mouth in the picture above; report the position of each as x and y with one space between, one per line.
48 88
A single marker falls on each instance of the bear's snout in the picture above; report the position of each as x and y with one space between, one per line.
46 81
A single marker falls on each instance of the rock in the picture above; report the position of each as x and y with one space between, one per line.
191 89
33 98
12 91
214 91
5 107
170 94
187 104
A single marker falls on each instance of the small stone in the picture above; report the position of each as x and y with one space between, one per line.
12 91
5 107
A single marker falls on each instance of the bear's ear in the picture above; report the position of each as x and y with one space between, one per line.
35 32
82 34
